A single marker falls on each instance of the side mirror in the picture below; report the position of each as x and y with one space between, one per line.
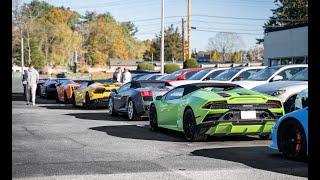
277 78
181 77
158 97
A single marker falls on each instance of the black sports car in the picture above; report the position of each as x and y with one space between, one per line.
48 89
135 97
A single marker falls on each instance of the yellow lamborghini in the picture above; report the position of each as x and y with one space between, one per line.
91 94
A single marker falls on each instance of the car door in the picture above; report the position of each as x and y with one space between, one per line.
118 97
168 108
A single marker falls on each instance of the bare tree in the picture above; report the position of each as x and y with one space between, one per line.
225 43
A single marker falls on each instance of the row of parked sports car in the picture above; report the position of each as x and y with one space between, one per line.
205 102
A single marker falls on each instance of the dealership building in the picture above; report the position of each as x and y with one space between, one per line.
287 45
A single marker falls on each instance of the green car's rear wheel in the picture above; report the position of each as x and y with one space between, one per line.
153 118
191 131
292 140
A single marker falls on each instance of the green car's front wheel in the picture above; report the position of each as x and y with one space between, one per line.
153 118
190 128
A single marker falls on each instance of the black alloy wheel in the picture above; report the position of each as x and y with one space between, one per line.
292 140
190 128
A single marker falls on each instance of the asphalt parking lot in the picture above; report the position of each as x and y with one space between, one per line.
58 141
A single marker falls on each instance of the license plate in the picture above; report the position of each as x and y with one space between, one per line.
248 115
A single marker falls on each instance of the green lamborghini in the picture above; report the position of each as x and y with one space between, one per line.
215 109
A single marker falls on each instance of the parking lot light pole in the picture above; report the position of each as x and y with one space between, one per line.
162 37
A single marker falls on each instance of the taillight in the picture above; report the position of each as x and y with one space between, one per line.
274 103
216 105
146 93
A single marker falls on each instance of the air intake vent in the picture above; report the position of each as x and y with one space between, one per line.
223 94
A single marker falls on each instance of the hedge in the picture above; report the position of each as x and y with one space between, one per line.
170 68
191 63
145 66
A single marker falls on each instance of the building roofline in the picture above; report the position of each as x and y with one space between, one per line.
286 27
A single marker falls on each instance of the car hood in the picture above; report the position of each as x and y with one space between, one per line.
278 85
250 84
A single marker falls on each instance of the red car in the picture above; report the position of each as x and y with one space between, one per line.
181 74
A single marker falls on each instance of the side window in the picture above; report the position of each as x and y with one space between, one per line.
288 73
213 75
189 74
246 74
125 87
174 94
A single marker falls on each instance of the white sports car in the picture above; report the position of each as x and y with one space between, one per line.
286 91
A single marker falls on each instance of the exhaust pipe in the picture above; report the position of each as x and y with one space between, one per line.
265 115
229 116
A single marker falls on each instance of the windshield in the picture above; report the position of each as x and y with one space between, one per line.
172 76
200 74
300 76
264 74
227 75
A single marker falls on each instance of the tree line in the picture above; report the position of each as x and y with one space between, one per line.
50 35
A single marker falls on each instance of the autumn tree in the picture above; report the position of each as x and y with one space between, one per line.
215 56
172 46
236 57
225 43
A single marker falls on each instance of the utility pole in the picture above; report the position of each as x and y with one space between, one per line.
162 38
182 40
22 54
152 57
189 29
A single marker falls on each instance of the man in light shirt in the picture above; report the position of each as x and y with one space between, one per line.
32 80
126 77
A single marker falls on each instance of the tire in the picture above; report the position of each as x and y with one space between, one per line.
111 107
131 111
190 127
74 100
289 105
265 136
65 98
153 119
87 104
292 140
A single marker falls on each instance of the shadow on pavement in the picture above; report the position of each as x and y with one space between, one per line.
98 116
259 157
69 107
144 133
21 97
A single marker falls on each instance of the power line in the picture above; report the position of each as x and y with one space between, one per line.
226 32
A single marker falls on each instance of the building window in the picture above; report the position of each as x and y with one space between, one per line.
274 62
299 60
286 60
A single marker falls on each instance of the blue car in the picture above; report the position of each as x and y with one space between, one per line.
290 135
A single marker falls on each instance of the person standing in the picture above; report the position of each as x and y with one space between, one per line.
119 75
24 82
32 80
115 73
126 76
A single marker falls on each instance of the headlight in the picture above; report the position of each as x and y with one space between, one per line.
278 92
